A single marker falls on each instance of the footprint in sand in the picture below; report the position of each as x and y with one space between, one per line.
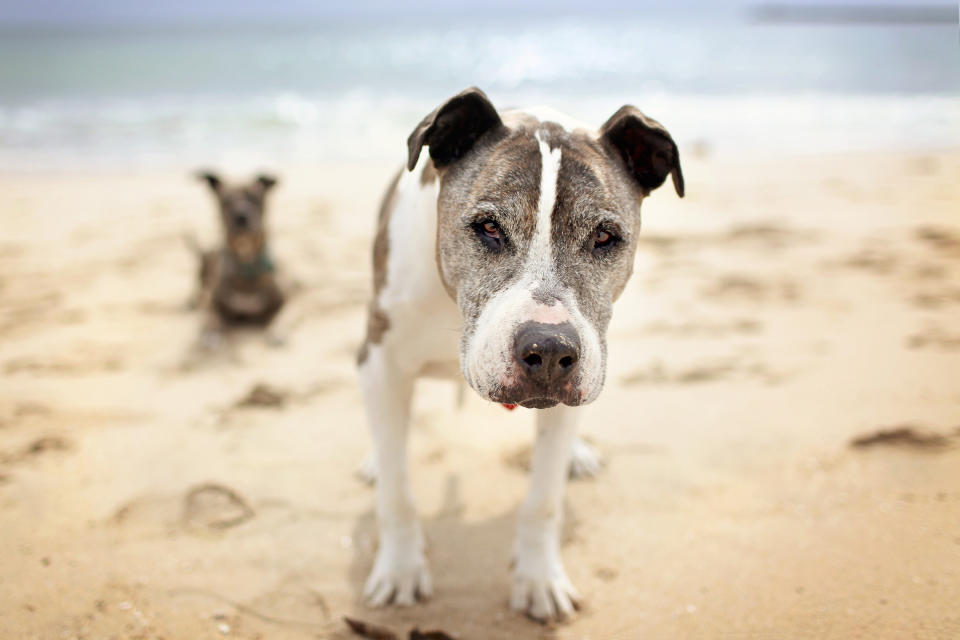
936 339
740 288
207 507
908 436
214 506
944 241
726 369
39 447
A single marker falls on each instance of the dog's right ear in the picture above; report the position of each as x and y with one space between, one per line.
211 179
452 130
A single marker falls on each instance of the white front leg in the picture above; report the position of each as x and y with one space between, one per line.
541 588
400 574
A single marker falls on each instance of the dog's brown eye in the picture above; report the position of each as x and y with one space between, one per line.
490 234
602 241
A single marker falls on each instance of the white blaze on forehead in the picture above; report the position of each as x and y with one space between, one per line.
549 173
554 314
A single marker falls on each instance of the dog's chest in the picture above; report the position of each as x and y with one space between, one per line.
246 303
247 298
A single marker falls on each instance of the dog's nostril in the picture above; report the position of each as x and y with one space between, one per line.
547 353
533 360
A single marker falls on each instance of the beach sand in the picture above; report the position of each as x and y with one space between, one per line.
784 309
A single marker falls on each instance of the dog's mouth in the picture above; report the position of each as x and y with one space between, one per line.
539 403
539 398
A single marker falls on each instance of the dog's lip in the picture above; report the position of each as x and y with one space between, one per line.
537 396
539 403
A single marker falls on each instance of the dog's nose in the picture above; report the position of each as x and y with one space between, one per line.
547 353
240 220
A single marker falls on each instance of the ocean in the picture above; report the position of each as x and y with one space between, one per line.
352 88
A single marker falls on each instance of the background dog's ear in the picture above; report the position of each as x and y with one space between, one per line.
645 147
452 130
211 179
266 181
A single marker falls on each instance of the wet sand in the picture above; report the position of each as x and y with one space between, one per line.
781 420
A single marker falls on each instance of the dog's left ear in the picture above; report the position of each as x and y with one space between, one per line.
211 179
645 147
266 181
453 128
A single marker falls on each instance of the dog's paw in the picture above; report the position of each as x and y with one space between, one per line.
585 460
541 588
210 341
367 471
275 340
400 575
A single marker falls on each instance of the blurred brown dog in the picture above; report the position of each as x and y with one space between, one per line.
238 283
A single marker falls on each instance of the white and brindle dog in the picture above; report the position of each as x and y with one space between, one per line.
520 229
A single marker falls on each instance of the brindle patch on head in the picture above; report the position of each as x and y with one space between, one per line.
594 194
501 184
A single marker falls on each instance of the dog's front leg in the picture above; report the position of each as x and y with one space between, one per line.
400 574
541 588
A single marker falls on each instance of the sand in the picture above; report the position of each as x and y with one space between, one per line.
785 308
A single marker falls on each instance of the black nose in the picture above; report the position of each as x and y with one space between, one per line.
547 353
241 221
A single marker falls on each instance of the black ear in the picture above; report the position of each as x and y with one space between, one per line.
211 179
645 147
266 181
453 129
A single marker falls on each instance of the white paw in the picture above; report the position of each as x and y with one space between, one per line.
400 575
585 460
210 340
541 588
367 472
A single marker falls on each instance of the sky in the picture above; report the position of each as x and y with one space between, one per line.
122 12
87 13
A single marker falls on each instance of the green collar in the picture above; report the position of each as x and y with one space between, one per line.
261 265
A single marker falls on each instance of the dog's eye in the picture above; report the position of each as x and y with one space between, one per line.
490 234
602 241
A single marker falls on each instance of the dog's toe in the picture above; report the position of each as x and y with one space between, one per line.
413 587
367 472
545 594
400 579
544 601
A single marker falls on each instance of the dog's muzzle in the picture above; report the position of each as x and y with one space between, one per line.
546 358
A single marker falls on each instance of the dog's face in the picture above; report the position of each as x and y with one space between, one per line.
537 232
242 209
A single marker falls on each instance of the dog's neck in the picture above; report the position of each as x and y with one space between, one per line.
251 268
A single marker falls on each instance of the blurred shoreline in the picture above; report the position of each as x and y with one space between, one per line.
353 89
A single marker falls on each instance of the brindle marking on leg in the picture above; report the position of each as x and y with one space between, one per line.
377 320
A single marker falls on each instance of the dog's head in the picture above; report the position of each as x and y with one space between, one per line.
242 211
537 230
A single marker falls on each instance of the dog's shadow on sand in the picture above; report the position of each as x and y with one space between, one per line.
470 566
